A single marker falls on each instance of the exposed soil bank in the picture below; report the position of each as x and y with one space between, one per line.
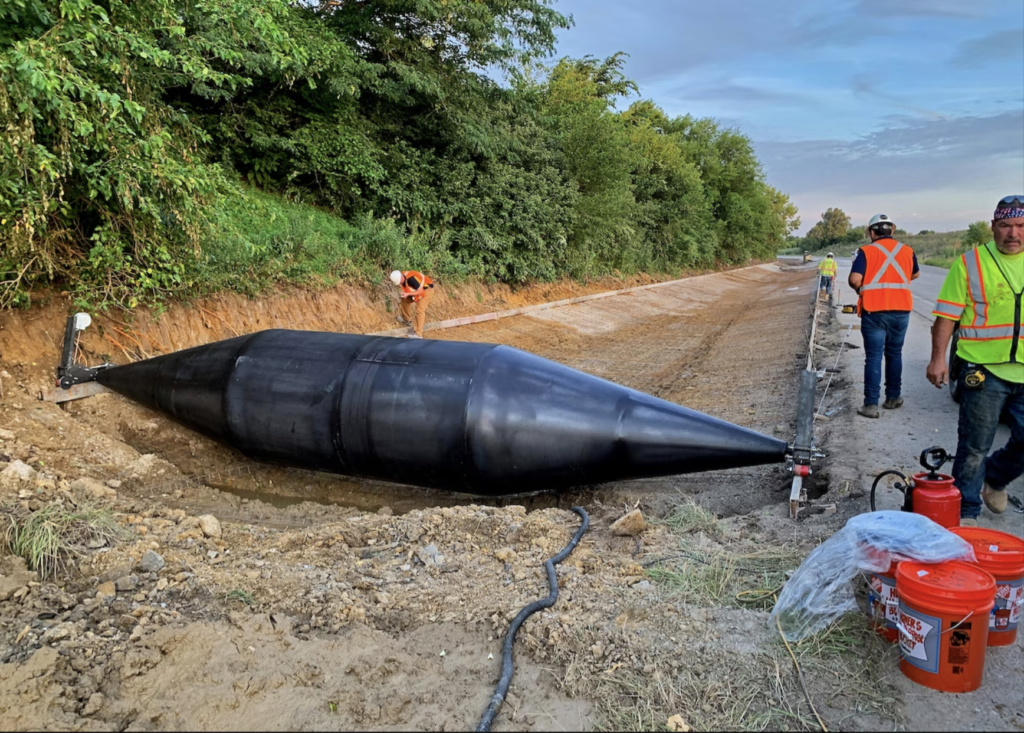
27 336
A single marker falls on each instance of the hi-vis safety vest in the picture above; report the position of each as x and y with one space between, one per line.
989 325
887 277
827 267
424 281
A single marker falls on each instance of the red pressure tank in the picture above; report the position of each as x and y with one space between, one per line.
929 493
934 496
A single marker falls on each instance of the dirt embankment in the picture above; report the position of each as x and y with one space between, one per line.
119 336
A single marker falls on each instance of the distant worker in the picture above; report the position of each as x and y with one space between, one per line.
881 275
982 293
416 288
827 270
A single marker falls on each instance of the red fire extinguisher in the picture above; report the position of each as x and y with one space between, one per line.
929 493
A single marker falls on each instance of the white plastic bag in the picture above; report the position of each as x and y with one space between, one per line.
822 588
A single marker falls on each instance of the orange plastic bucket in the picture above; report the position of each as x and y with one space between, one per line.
1002 555
884 603
943 623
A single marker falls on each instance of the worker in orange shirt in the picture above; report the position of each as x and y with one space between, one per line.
416 291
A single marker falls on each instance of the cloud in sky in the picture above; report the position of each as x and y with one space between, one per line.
881 9
1004 45
936 86
942 170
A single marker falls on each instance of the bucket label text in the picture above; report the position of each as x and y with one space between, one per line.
884 600
1009 598
919 638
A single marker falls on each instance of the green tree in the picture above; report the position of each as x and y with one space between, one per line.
830 229
978 234
579 103
101 181
672 216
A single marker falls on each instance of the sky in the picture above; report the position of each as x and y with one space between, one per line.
913 108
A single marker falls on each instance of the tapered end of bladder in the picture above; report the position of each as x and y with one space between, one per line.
549 425
664 435
189 386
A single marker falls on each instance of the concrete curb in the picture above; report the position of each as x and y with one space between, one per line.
496 315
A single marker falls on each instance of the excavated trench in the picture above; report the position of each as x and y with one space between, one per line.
727 344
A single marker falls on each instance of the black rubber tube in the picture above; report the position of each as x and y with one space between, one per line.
510 636
457 416
882 475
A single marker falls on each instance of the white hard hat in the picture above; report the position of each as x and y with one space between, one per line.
396 277
830 254
881 219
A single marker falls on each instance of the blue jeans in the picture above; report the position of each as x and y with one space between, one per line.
883 334
979 417
826 284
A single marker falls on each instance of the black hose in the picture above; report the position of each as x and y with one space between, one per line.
510 636
902 488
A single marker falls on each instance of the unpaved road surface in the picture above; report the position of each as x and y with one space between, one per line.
320 602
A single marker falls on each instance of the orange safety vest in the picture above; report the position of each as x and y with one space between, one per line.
424 281
886 284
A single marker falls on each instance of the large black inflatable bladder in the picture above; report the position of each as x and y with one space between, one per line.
469 417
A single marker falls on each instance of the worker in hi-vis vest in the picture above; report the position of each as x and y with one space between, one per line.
827 270
983 294
416 290
881 275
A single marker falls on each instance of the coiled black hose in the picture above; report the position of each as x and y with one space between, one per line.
902 487
510 636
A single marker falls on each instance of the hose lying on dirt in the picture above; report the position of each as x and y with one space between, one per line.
510 636
901 487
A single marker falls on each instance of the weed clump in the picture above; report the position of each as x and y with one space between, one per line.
49 538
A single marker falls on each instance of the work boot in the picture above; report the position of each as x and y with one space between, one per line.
404 320
968 522
413 336
893 404
868 410
995 499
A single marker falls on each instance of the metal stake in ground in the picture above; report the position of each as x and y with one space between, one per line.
510 636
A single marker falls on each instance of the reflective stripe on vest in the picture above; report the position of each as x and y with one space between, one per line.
423 280
950 310
888 287
976 286
990 333
890 259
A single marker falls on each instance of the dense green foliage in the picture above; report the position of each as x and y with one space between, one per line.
154 147
833 230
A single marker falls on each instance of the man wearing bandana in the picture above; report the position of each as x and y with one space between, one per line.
982 294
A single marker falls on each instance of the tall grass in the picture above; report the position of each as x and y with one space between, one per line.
940 249
47 539
260 239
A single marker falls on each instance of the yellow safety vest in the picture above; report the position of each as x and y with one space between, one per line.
989 326
827 267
